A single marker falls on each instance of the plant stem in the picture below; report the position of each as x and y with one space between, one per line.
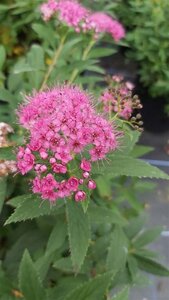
54 62
84 57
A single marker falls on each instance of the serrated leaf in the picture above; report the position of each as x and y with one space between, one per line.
7 153
64 264
65 287
57 236
29 281
147 237
79 233
95 289
128 166
118 250
32 206
99 214
151 266
3 186
123 295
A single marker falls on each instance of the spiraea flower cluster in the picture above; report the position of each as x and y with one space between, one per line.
6 166
75 15
66 137
118 99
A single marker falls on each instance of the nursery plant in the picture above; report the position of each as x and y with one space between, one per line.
147 39
72 226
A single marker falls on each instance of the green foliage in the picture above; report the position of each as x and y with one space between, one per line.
122 295
79 233
29 281
92 290
147 40
117 253
31 206
123 165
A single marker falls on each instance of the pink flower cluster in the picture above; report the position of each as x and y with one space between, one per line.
63 126
118 99
102 23
79 17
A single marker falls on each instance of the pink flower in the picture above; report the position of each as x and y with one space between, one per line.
119 99
80 196
102 23
91 185
48 9
25 161
63 124
73 184
85 165
59 168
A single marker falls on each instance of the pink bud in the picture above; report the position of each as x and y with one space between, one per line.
52 160
43 168
81 181
37 167
80 196
43 155
86 174
91 184
27 151
85 165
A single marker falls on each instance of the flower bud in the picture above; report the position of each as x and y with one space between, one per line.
80 196
86 174
91 185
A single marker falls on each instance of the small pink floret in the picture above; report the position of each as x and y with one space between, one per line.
80 196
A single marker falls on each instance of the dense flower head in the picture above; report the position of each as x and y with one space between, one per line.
63 125
75 15
69 12
118 98
103 23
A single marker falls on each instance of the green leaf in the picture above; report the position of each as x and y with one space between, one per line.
151 266
7 153
29 281
43 264
36 57
123 295
135 226
79 233
6 96
147 237
95 289
128 166
57 236
64 287
64 264
101 52
140 150
129 140
32 206
118 250
3 186
133 267
2 56
5 283
99 214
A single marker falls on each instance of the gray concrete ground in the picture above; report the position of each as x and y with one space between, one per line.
158 211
